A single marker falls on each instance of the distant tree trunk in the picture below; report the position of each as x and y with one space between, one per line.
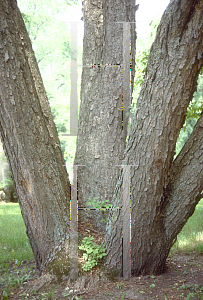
101 141
30 140
164 192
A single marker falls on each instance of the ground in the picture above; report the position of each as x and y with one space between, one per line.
183 279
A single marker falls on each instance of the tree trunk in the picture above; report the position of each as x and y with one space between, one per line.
30 140
164 192
101 140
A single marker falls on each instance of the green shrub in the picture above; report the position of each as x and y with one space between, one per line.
93 252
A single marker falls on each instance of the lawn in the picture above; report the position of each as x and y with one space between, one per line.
14 243
17 261
190 239
15 247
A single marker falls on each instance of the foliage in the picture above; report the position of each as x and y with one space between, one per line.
93 252
99 204
196 105
194 111
8 186
120 285
142 60
141 64
6 183
50 39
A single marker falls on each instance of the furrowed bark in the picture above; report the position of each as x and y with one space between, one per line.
186 185
100 141
170 80
30 140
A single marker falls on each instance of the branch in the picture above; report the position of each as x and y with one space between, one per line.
186 185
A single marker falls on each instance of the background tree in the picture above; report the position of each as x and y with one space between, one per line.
164 191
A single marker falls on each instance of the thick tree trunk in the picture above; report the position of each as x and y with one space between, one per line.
164 193
101 141
30 140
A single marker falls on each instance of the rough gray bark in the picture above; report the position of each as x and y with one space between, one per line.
101 141
164 192
186 182
30 140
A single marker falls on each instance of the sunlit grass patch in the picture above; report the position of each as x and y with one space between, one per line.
14 243
190 239
15 247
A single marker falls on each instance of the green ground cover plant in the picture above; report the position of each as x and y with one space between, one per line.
93 253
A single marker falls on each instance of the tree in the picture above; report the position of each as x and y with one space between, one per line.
30 140
101 139
164 191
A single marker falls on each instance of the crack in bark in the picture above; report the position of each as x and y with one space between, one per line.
188 19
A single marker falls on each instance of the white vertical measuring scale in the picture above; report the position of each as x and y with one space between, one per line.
73 78
126 75
126 223
74 227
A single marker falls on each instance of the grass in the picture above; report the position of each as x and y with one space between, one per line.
190 239
15 247
14 243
